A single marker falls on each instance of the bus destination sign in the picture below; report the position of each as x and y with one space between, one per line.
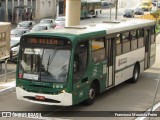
45 41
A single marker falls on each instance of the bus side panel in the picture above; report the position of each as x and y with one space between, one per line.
125 64
152 54
80 92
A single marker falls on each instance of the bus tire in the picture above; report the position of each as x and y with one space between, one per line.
136 72
91 94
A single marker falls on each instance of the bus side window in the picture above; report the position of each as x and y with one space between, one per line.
118 44
152 35
80 60
140 38
98 49
133 37
126 42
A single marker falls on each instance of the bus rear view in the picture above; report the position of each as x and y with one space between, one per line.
43 70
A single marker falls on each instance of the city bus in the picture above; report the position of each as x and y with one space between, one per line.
90 8
73 65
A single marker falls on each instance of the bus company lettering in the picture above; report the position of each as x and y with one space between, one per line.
122 61
95 71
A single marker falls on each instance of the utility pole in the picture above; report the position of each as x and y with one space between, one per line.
57 4
157 5
116 12
110 11
12 10
6 11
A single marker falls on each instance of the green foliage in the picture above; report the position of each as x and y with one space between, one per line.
156 15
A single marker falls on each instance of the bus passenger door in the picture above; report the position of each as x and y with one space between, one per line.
147 41
110 53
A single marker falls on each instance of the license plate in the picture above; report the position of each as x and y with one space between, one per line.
40 97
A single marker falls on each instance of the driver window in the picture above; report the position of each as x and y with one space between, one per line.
80 60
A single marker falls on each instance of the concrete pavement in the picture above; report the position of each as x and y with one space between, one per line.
7 87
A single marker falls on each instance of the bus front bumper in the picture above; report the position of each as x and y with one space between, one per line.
62 99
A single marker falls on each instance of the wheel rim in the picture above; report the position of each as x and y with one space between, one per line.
91 93
136 74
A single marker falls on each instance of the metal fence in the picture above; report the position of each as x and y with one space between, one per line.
7 71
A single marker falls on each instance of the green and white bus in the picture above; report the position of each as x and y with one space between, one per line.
90 8
72 65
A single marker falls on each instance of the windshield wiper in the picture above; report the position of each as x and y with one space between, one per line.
51 57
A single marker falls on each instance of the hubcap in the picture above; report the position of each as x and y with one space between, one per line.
91 93
136 74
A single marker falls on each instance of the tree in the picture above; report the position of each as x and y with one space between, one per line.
156 15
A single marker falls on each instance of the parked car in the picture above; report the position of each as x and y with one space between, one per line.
48 21
60 20
128 13
158 5
26 25
14 46
139 11
154 3
60 25
40 27
15 39
18 32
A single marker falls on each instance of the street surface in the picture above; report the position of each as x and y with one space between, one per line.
124 97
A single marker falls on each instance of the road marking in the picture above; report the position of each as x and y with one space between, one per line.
154 108
7 73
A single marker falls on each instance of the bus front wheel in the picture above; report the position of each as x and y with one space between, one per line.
91 94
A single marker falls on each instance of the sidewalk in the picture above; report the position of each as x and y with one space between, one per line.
7 87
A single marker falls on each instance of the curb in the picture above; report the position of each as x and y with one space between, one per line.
8 87
7 90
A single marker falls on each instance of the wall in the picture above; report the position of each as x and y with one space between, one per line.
41 8
46 8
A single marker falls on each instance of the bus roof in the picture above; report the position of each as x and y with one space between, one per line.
97 29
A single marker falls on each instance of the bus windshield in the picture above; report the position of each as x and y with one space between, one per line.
47 65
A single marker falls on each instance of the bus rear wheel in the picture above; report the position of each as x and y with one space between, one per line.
91 94
135 77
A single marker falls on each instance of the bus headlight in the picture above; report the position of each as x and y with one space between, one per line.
21 86
63 91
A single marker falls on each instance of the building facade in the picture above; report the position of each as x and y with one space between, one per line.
16 10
